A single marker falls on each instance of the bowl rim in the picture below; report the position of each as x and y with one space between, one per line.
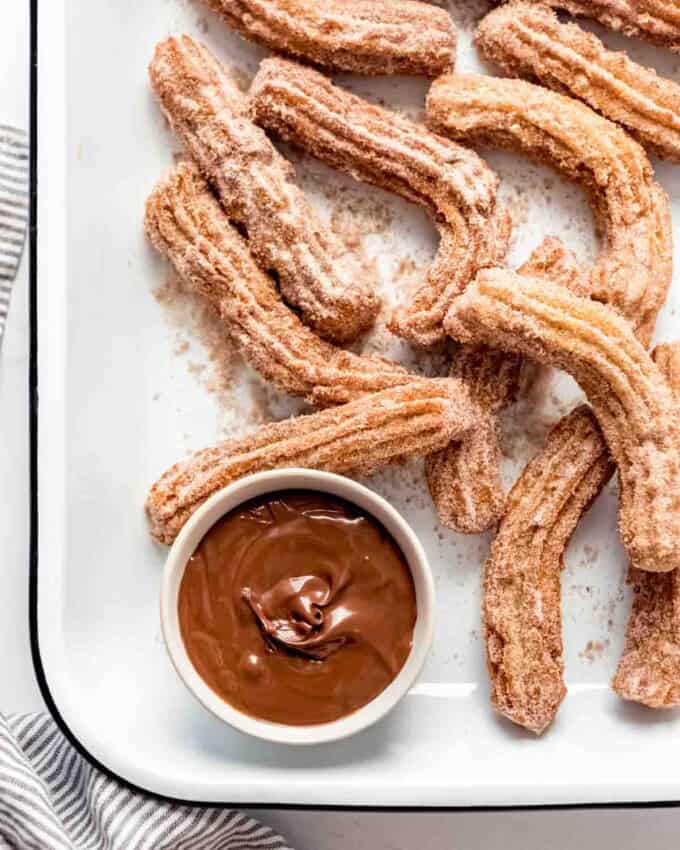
257 484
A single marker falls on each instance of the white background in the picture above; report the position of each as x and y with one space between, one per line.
18 690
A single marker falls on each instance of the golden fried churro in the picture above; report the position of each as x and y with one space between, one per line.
465 478
631 399
256 188
649 669
633 272
360 437
657 21
379 147
361 36
186 224
521 591
529 41
521 602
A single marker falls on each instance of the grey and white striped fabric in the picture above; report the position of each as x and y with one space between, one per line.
52 799
13 211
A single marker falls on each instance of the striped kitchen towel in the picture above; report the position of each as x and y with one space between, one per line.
13 210
52 799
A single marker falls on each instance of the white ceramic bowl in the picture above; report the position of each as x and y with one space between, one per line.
297 479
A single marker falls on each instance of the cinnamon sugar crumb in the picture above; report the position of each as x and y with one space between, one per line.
594 650
354 216
267 404
200 323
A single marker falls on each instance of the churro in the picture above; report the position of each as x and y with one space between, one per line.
465 478
379 147
654 20
521 595
360 36
526 40
633 272
649 669
360 437
521 590
186 224
256 188
631 399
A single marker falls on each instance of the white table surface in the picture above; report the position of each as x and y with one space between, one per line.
655 829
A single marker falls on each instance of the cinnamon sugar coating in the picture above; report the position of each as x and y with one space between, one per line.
657 21
629 394
388 150
359 437
521 589
521 596
465 478
186 224
360 36
256 188
649 669
633 271
527 40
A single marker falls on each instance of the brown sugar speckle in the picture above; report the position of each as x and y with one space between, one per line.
182 346
594 650
590 553
200 323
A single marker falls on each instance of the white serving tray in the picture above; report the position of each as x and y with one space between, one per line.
118 403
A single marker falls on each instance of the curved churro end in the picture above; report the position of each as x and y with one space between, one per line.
465 482
420 319
186 224
465 478
629 395
526 40
360 437
521 591
633 272
388 150
521 598
552 260
649 669
360 36
256 188
657 21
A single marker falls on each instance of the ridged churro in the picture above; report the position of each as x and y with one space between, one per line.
360 36
649 669
521 591
633 272
256 188
379 147
521 596
465 478
654 20
361 436
631 399
529 41
185 222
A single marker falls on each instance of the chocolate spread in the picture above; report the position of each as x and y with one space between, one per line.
297 607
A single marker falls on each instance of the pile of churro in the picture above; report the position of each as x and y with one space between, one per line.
238 231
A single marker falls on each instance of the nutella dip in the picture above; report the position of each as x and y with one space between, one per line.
297 607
